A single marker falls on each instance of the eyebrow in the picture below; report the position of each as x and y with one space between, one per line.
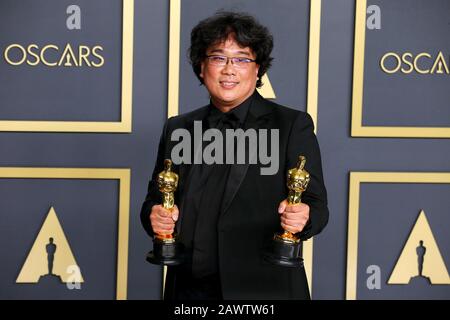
238 52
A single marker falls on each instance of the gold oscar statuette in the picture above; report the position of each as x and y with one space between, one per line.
166 249
285 247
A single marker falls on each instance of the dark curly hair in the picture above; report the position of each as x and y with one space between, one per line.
247 32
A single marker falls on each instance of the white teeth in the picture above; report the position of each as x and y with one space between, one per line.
228 83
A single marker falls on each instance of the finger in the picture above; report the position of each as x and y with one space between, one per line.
158 210
175 213
165 223
160 216
296 215
168 221
293 228
165 213
154 219
289 228
282 206
296 207
294 223
163 227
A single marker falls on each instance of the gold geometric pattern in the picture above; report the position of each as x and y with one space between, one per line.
121 174
356 179
433 265
36 264
358 130
122 126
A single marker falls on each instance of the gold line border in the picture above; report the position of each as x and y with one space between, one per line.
312 107
174 58
357 128
124 126
356 178
174 74
312 91
358 66
123 175
313 59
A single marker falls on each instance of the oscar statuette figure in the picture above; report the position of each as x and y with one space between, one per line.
166 249
285 248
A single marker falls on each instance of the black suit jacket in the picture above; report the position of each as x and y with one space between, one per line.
249 216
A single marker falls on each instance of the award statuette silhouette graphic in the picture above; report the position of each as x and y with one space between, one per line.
50 247
284 250
50 259
420 263
166 249
420 277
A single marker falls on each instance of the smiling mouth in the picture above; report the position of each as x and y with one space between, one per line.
228 84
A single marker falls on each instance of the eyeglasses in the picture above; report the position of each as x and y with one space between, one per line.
239 62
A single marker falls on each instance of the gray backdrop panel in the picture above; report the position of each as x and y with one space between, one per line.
61 93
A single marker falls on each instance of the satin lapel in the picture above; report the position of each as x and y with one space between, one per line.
185 169
239 171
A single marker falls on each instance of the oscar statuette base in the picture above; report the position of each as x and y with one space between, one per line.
283 253
169 253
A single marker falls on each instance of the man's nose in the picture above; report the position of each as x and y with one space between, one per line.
228 68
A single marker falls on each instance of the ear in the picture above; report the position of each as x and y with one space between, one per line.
202 67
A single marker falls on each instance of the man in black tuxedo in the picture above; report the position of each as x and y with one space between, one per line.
228 212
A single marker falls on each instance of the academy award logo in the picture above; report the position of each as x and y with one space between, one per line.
50 258
420 262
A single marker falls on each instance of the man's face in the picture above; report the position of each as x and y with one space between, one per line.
229 85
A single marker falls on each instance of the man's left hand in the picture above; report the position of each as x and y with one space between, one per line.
293 216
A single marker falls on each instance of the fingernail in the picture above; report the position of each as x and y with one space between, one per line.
175 217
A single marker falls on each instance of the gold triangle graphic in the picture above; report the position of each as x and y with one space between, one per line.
266 90
50 242
420 242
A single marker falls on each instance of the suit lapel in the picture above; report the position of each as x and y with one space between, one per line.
185 169
255 118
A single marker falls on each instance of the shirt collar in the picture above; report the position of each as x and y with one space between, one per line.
240 111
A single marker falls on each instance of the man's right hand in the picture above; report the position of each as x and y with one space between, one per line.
163 220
